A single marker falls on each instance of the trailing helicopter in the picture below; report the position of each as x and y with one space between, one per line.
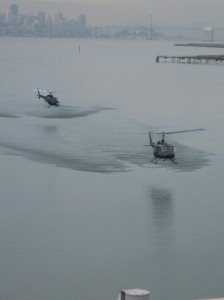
48 98
162 149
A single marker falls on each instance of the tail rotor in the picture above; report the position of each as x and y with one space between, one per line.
38 93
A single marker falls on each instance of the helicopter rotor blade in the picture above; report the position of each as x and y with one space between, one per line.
38 90
133 133
43 91
181 131
163 132
178 131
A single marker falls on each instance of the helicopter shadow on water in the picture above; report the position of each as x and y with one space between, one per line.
8 115
101 151
67 112
188 159
103 156
161 207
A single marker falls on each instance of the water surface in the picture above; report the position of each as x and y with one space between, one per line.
84 212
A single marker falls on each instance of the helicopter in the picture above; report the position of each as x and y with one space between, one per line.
48 98
162 149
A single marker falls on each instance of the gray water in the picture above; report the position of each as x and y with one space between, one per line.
84 212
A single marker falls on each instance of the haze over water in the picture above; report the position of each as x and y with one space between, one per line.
84 213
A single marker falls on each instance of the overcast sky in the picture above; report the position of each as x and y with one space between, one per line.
122 12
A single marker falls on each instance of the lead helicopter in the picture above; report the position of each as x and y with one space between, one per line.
48 98
162 149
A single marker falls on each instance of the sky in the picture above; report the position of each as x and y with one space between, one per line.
186 13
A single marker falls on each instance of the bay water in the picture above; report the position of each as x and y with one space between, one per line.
84 213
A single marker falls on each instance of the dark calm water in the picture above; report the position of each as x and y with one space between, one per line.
83 211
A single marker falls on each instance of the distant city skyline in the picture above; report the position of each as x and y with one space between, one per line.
126 12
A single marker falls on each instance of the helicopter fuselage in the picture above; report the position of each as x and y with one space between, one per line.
50 100
163 151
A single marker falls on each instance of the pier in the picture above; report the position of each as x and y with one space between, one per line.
209 45
195 59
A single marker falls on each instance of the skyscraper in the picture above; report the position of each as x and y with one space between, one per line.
14 10
13 14
41 19
81 24
208 34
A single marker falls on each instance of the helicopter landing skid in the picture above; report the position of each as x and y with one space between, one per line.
156 160
174 161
